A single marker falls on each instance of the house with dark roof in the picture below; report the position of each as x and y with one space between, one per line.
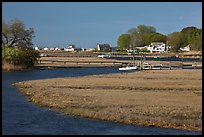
103 47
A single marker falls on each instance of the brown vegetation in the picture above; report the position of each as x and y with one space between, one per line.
11 67
162 98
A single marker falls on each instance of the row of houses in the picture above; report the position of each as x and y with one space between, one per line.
157 47
153 47
69 48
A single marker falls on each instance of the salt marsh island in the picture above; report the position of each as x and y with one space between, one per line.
160 98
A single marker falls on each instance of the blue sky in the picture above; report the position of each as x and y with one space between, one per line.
84 24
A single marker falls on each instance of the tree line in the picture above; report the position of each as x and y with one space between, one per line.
143 35
17 41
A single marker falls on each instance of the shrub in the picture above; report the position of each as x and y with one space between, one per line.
19 55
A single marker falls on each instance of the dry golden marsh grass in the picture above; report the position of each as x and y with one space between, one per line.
161 98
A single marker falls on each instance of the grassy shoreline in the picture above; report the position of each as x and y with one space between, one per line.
161 98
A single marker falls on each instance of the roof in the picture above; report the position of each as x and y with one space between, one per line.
103 46
157 43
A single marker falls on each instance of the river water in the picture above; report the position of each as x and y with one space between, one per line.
20 117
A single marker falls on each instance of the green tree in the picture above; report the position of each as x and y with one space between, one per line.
177 40
196 41
17 44
155 37
189 31
138 34
136 37
124 41
194 37
143 29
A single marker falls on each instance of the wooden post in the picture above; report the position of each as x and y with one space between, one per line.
141 62
195 63
170 65
194 66
133 60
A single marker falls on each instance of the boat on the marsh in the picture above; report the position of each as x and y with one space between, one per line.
104 56
132 66
128 67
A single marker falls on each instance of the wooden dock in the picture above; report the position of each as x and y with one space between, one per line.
101 62
78 62
170 65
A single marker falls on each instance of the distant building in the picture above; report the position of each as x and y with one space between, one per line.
187 48
45 49
36 48
87 49
52 48
157 47
70 48
141 48
132 50
43 55
57 48
83 49
103 47
113 49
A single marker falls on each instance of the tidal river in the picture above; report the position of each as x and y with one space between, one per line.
20 117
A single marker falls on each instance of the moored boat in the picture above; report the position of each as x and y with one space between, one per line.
128 68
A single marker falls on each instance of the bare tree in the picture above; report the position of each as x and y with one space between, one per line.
14 33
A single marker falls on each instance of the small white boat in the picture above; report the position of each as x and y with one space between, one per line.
128 68
104 56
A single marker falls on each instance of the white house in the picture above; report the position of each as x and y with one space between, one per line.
139 48
43 55
57 48
157 47
70 48
45 49
90 49
87 49
52 48
102 47
187 48
36 48
132 50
